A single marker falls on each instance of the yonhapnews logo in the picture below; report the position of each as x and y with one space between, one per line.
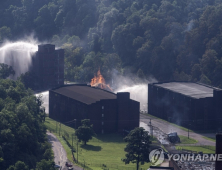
157 157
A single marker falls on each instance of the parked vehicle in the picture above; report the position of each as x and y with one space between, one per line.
68 165
173 137
57 167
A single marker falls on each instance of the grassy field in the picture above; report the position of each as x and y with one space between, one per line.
212 139
185 140
204 149
103 150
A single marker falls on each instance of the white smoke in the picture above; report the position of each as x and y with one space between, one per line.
18 55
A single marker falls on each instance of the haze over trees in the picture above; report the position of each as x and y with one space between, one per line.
168 39
23 141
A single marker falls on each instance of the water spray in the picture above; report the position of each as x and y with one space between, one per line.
18 55
137 92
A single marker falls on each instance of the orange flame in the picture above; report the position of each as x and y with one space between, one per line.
99 81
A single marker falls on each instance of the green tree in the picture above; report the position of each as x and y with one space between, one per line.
22 132
181 76
6 71
138 147
5 32
140 74
208 62
163 38
11 167
45 26
196 72
29 80
1 156
85 132
21 166
204 79
45 165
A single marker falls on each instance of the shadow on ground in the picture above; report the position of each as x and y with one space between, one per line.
91 147
114 138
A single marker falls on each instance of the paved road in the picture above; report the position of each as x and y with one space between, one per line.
167 128
60 156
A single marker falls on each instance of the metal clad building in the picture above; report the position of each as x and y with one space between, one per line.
192 105
108 112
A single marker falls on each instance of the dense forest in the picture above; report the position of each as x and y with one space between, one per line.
166 39
23 141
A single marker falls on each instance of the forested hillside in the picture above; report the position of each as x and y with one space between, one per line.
167 39
23 141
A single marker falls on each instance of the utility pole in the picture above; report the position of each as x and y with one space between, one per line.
151 128
77 151
188 131
75 123
56 126
72 148
77 142
84 163
59 128
72 142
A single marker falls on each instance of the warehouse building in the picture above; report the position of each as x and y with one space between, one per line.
107 111
47 67
191 105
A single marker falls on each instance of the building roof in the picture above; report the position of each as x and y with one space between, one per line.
193 90
85 94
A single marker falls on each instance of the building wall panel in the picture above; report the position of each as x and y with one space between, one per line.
196 113
106 115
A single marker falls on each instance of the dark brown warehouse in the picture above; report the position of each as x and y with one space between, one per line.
108 112
47 68
192 105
